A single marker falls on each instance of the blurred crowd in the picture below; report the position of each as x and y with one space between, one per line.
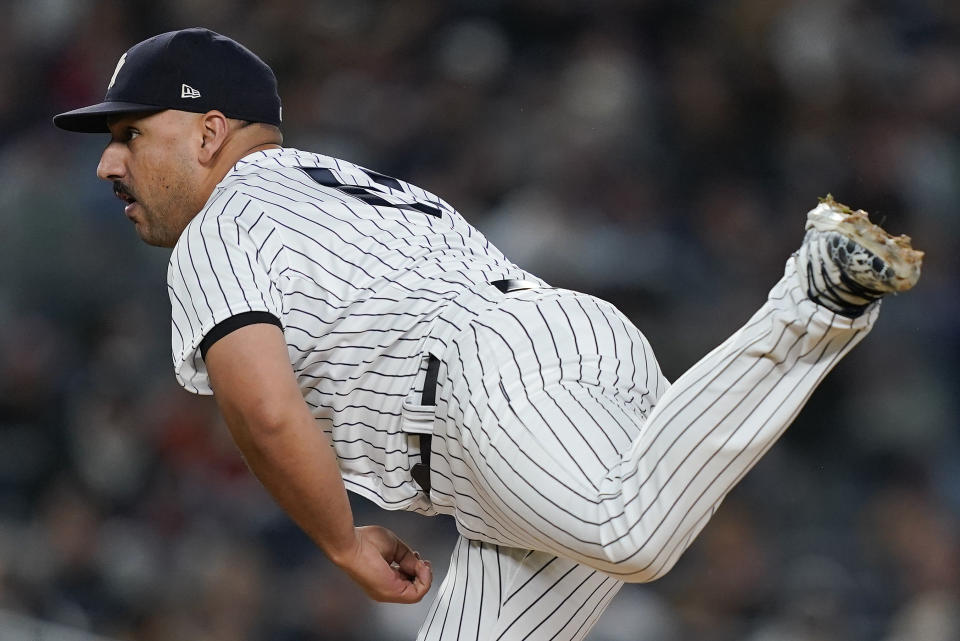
658 153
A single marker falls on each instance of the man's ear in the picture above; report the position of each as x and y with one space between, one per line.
214 128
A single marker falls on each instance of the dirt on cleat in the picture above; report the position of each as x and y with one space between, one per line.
896 251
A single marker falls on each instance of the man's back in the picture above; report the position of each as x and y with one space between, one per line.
356 266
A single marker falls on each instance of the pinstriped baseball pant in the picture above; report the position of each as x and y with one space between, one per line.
571 466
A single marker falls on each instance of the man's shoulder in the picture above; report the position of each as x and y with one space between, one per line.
261 173
230 215
290 175
281 158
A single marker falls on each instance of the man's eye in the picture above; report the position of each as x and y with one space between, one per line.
132 133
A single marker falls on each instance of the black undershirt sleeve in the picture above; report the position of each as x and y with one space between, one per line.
234 323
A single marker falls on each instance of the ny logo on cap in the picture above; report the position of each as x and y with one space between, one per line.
113 78
186 91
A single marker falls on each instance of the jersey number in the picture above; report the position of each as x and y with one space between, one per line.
369 195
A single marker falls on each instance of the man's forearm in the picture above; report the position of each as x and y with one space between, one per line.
294 461
274 429
259 397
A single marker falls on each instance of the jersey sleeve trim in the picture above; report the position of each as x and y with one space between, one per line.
234 323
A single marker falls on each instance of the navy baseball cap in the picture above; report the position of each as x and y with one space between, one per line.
190 70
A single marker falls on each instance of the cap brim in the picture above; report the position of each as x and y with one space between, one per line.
93 119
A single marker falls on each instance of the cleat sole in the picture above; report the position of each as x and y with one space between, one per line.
903 260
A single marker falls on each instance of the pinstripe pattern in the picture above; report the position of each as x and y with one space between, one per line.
356 281
567 460
557 433
547 441
495 593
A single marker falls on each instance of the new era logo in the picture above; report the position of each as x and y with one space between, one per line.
186 91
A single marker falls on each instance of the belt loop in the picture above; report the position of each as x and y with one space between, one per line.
508 285
429 396
421 471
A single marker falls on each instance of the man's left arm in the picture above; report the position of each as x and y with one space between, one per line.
257 393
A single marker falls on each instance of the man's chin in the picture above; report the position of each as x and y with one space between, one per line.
152 239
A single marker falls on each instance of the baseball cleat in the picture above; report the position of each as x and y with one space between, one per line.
847 262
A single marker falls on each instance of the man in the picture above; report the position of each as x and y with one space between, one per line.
359 334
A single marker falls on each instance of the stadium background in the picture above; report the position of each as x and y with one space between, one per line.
658 153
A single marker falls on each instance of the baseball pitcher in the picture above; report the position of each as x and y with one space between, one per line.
358 334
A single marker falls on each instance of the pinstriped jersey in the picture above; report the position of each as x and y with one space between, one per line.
356 266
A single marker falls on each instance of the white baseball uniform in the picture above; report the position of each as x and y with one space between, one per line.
567 460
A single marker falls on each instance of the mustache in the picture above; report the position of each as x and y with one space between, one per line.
120 189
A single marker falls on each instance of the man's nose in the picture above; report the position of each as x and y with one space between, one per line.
111 163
